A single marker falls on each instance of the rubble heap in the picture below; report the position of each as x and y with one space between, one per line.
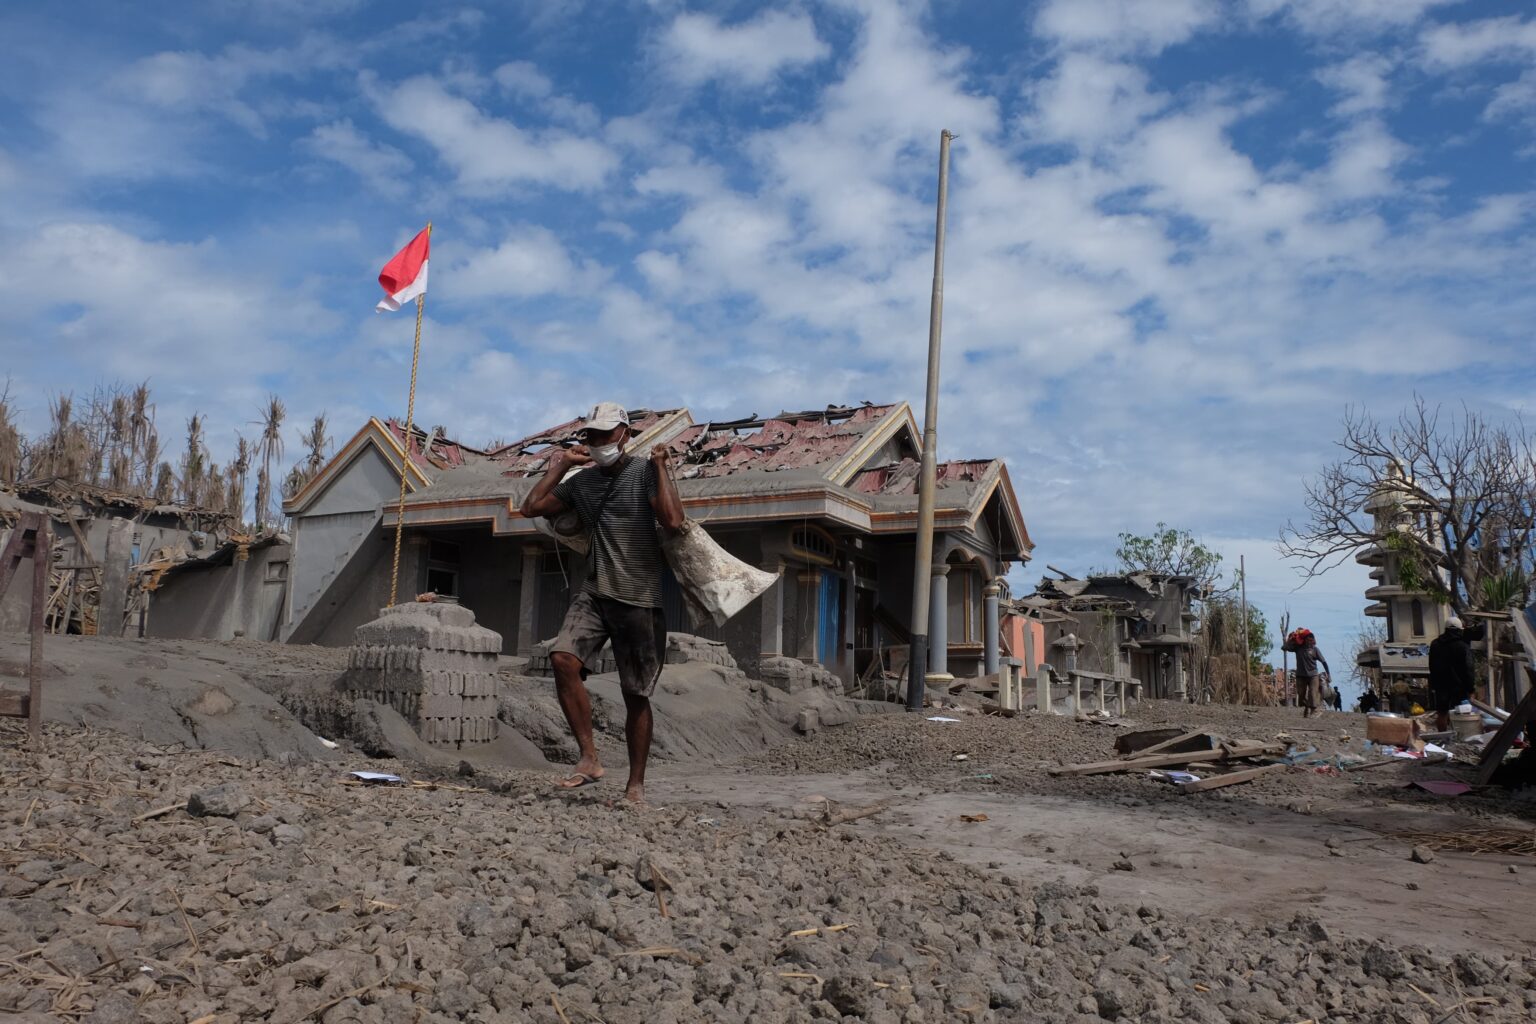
431 663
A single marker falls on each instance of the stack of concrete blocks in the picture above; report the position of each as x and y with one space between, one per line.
431 663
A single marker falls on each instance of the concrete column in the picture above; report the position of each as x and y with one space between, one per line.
1180 691
938 628
1043 700
1074 684
990 626
773 613
528 601
114 578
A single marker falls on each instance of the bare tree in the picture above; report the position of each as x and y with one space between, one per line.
1462 489
239 472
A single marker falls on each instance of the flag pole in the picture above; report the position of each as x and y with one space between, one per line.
405 461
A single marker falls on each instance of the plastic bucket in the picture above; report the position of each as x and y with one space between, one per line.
1466 726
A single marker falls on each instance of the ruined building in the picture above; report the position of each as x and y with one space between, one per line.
827 498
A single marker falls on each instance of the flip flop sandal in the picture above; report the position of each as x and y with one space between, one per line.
586 780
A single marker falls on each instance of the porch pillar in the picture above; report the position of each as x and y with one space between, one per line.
1179 690
773 612
528 601
990 626
850 594
938 628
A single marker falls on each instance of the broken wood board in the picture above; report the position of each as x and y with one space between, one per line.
1230 752
1164 741
1230 779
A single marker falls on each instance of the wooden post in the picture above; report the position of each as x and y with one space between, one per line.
32 538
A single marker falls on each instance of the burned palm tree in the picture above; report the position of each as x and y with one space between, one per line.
270 446
194 463
10 441
239 472
165 484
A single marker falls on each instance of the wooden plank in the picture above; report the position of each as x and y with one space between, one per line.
1520 714
42 566
1196 741
1229 779
1489 709
1141 740
1169 760
13 704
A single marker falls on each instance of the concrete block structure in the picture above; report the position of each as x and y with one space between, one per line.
434 665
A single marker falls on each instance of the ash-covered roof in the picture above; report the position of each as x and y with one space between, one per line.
790 440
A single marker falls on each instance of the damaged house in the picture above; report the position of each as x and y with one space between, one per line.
826 498
1130 625
103 542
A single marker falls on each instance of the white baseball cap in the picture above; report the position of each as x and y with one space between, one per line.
606 416
1453 623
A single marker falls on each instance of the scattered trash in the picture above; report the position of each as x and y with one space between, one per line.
707 821
1174 776
941 718
1441 787
983 775
961 757
328 744
376 777
973 817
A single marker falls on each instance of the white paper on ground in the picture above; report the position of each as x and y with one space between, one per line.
941 718
376 777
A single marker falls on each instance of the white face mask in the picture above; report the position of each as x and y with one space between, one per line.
605 455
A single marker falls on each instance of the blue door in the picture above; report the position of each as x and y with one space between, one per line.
826 618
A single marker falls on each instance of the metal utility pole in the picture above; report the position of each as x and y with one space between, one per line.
1242 571
922 568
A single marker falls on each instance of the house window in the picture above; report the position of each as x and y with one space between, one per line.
813 544
1417 608
443 568
276 572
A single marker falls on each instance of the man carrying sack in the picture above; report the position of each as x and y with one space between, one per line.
1309 682
619 502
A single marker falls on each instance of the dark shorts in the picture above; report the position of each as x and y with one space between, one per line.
1448 698
638 635
1309 691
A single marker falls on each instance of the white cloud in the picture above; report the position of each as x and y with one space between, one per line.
488 153
530 261
1321 17
1364 157
1087 100
1125 26
1513 99
698 48
523 78
1465 43
384 168
1363 82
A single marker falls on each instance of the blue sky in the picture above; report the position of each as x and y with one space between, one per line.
1185 235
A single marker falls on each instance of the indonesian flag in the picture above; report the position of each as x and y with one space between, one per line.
405 276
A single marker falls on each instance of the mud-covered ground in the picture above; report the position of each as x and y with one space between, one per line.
488 898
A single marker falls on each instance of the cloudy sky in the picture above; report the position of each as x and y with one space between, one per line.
1185 235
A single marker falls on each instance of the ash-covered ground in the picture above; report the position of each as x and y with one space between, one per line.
834 877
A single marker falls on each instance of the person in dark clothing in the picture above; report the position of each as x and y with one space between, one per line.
1451 678
1309 680
1338 699
1369 702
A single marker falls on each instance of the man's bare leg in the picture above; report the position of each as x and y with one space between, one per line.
637 734
576 702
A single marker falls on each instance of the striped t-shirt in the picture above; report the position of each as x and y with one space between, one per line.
625 561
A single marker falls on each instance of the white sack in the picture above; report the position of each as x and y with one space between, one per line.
716 583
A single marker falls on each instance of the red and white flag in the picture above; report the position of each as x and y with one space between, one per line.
405 276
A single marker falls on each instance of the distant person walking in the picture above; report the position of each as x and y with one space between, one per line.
1309 681
1338 698
620 501
1451 678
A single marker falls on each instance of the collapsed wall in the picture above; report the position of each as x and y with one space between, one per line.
433 665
